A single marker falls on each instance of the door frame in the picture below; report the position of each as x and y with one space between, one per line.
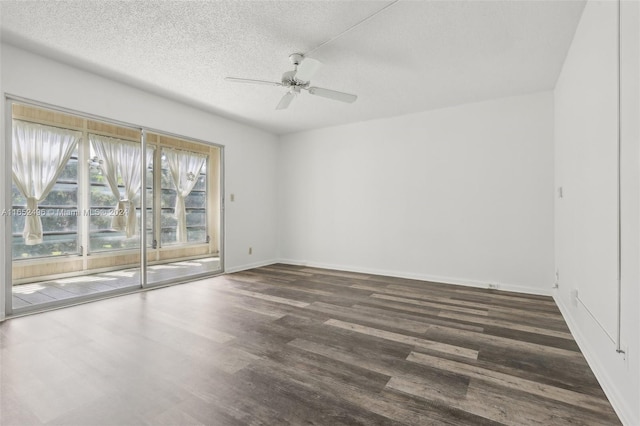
6 294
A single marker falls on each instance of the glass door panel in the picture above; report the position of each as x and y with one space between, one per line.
186 211
73 237
76 213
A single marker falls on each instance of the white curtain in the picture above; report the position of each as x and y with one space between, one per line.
132 177
39 154
121 162
106 150
185 169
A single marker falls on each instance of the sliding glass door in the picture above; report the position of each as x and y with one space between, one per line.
77 217
186 209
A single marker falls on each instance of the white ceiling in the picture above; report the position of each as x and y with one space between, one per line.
414 56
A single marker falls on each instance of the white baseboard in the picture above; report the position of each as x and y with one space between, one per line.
626 413
421 277
249 266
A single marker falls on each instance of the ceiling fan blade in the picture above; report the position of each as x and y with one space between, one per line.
307 69
250 81
286 100
332 94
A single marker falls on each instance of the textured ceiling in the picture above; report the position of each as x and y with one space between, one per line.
414 56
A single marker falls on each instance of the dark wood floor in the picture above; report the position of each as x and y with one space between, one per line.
285 345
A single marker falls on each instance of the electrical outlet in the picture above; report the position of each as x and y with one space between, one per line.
232 197
250 250
493 286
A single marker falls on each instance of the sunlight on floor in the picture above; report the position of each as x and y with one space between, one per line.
83 279
130 273
28 288
68 288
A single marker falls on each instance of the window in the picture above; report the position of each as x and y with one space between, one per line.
184 197
114 194
44 190
87 197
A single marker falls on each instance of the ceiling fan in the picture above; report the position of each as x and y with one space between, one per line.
299 79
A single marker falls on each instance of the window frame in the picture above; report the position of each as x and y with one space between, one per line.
214 204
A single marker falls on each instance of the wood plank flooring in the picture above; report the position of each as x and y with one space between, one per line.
289 345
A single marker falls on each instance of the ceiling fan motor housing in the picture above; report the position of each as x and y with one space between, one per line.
297 79
296 58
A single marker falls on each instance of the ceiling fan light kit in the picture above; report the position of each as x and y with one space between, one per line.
297 79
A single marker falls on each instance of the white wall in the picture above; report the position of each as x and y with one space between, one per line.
586 132
250 154
460 195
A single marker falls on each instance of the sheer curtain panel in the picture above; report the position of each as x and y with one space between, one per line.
120 161
132 177
39 154
185 169
106 151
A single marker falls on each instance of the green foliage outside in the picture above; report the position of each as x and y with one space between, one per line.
60 226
